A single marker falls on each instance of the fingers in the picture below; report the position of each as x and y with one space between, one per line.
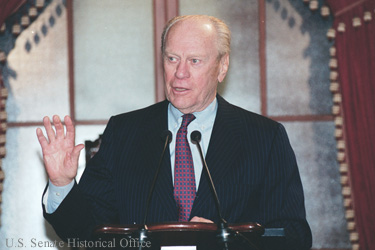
49 130
70 132
200 219
58 126
59 137
41 138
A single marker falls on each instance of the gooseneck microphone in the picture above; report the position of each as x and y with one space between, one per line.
224 234
223 231
166 136
196 138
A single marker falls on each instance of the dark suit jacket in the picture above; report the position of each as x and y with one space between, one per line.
249 156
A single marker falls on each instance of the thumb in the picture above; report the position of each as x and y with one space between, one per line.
76 152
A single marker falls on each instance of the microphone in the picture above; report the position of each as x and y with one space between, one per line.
196 138
166 136
224 233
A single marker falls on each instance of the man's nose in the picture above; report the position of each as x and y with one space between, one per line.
182 70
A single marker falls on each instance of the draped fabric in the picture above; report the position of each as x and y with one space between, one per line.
8 7
355 51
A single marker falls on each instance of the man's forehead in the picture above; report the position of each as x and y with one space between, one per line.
192 37
192 29
197 23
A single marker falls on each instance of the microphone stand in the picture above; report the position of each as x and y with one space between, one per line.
143 231
225 235
223 231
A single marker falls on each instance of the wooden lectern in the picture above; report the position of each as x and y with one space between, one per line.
201 235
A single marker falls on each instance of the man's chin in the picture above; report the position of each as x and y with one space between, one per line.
183 107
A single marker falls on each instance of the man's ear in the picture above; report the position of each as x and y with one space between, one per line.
223 67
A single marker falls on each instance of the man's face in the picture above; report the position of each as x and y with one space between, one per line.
192 69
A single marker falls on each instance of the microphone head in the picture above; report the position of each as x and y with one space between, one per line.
166 134
196 136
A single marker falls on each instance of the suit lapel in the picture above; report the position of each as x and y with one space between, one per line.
154 126
223 149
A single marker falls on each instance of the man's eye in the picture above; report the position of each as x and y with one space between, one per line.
171 59
195 61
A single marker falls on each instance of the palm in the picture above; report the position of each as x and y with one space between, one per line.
54 158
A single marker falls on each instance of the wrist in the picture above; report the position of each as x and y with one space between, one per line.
61 182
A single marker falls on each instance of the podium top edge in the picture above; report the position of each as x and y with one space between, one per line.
177 226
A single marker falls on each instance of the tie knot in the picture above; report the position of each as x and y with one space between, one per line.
187 119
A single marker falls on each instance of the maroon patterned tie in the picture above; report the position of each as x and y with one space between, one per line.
184 177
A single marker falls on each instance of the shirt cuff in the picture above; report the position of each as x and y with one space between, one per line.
55 195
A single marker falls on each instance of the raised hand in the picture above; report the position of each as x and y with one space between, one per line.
60 155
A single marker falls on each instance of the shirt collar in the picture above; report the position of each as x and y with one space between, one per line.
202 118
